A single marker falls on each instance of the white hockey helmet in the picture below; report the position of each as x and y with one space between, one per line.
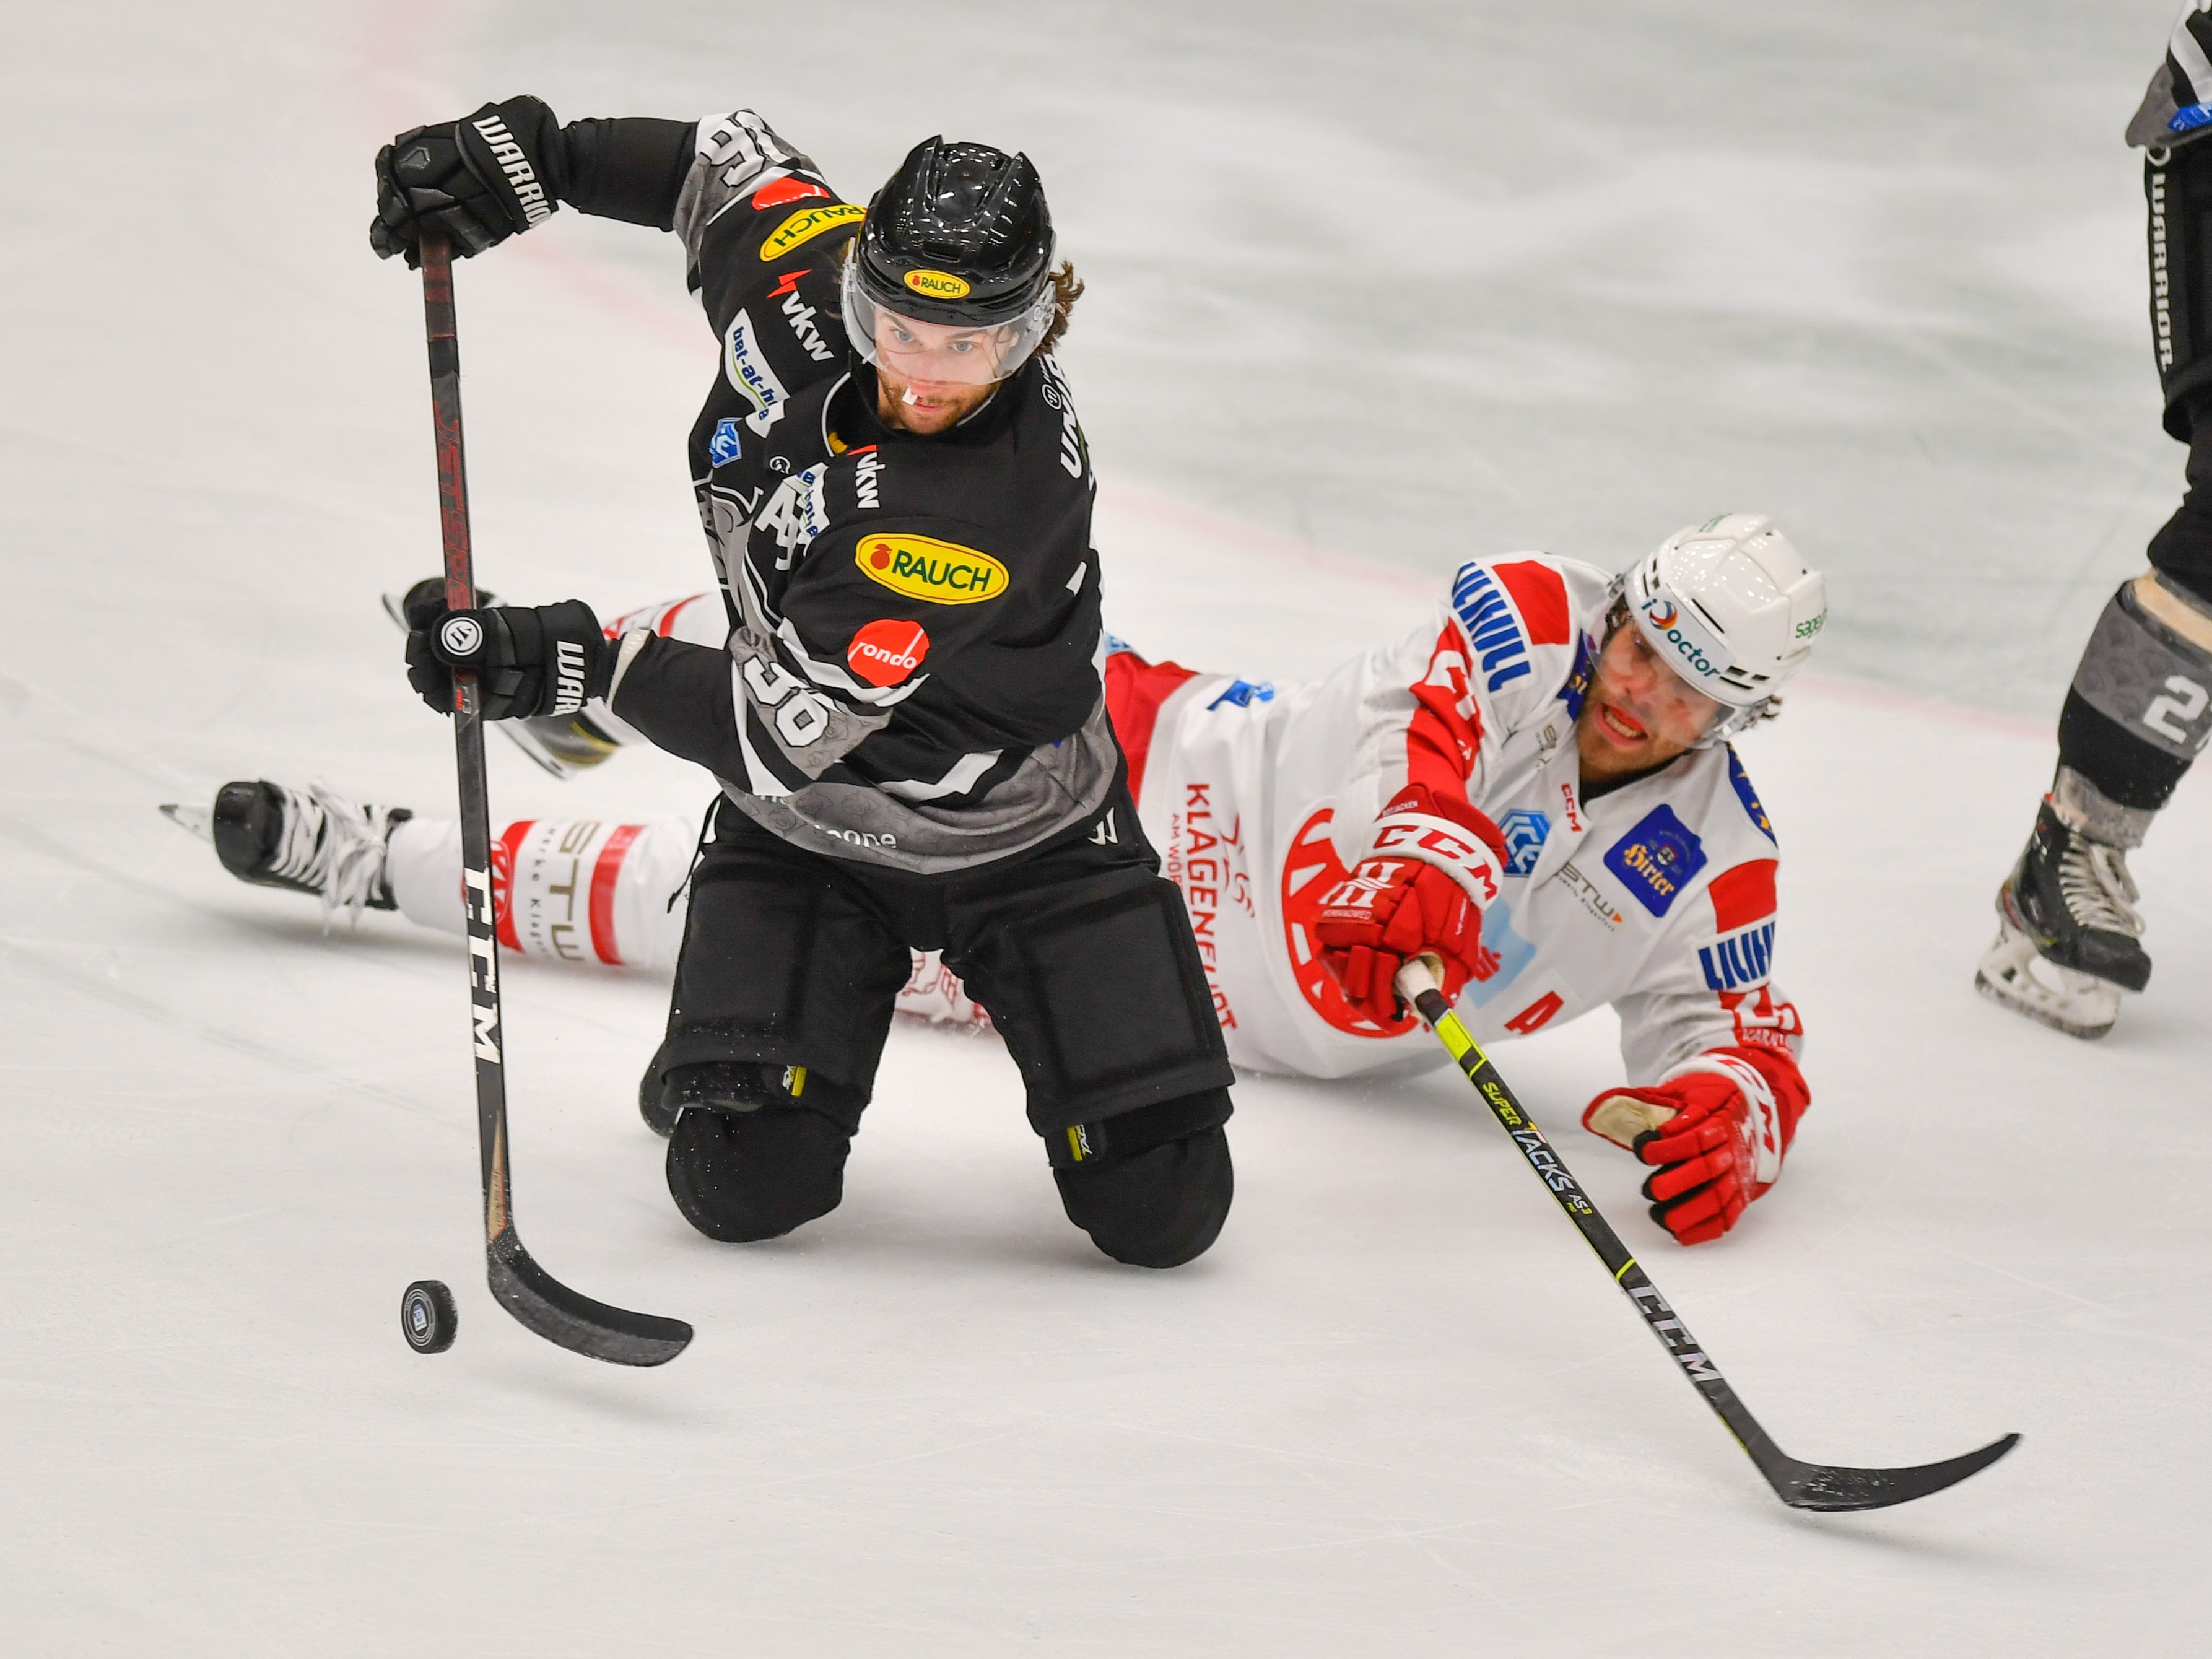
1732 606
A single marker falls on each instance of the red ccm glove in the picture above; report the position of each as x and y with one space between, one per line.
1436 863
1717 1133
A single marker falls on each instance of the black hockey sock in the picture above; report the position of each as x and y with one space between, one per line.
2124 767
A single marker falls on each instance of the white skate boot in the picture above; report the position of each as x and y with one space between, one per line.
316 843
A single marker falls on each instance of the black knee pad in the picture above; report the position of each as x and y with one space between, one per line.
1145 1200
740 1176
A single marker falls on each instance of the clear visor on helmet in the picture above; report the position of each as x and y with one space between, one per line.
1678 704
911 352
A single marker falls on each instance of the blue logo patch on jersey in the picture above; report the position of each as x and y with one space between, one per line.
1525 829
1505 953
1244 694
1742 781
1491 625
1578 681
1739 960
1657 859
2189 117
723 447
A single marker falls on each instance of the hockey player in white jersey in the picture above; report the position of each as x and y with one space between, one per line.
1533 788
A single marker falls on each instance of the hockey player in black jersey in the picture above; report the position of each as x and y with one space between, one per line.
907 723
2139 709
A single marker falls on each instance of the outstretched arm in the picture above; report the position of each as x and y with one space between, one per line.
1711 1050
510 166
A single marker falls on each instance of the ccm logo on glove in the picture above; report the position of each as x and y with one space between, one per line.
1436 863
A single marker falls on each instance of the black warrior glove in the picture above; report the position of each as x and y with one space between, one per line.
528 659
479 179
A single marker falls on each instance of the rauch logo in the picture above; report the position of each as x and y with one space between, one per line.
923 567
805 224
936 284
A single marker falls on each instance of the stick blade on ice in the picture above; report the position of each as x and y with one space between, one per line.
573 1321
1830 1486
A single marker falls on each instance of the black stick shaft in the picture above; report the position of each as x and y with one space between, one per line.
534 1296
468 742
1662 1319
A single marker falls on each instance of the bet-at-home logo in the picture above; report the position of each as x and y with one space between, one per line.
747 367
923 567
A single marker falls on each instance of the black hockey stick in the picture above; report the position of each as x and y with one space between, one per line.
1800 1485
521 1287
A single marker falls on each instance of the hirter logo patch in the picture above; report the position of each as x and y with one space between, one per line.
885 652
1656 859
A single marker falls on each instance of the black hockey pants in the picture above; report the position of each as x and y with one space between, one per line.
1081 953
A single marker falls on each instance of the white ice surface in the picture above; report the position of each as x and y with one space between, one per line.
1409 282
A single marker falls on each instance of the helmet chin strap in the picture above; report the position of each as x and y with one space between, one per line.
1731 721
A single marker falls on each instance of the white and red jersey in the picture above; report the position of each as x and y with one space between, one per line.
1657 897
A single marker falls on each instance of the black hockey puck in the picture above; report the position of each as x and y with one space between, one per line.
426 1317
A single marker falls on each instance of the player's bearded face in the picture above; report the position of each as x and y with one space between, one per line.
930 377
1639 712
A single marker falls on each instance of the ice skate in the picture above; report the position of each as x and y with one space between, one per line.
2067 944
564 744
312 843
2015 974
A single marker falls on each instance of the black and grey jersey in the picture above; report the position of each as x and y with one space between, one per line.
913 671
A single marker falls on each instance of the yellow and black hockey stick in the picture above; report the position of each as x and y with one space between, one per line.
1800 1485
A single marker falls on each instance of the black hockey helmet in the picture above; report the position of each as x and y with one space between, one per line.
960 235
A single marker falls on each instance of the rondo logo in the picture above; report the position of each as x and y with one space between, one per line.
461 635
885 652
806 224
936 284
923 567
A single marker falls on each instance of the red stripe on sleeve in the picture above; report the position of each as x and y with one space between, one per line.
1441 740
668 621
1135 689
1540 597
1744 895
503 853
605 874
